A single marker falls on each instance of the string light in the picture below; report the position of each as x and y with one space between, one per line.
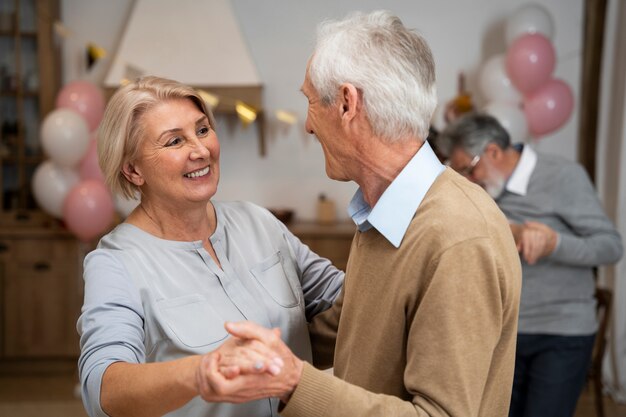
209 98
62 30
246 113
286 117
96 51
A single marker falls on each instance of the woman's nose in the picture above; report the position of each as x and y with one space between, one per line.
200 150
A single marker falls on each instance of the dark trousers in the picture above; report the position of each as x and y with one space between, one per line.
550 372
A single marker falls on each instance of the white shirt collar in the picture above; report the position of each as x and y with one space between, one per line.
394 210
518 181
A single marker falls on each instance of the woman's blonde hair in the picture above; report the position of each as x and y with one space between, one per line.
121 131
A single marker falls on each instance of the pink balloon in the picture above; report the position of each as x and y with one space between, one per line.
84 98
88 209
530 62
548 108
89 168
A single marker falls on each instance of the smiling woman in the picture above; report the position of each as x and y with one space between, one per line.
161 285
178 159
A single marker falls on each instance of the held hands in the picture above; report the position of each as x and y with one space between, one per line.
534 240
253 364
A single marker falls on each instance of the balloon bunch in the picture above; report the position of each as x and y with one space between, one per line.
70 185
519 86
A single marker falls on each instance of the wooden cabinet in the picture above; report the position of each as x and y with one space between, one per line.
41 294
29 82
331 241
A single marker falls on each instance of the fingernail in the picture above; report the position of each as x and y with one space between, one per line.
274 370
278 361
258 366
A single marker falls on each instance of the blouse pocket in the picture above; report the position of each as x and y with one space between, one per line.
271 274
193 321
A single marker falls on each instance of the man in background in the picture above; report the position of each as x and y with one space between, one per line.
562 233
427 319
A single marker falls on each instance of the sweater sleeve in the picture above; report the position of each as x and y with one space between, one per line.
461 310
590 239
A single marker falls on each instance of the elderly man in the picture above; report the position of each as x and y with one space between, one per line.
561 233
427 319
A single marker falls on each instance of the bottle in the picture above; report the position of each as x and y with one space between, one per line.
326 213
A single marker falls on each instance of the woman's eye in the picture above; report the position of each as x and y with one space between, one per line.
174 141
203 131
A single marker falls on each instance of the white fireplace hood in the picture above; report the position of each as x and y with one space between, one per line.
197 42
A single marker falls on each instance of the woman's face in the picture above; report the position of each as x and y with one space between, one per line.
179 154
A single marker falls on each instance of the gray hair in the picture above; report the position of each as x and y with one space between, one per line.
472 133
389 64
121 131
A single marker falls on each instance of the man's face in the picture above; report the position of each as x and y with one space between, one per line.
479 169
324 121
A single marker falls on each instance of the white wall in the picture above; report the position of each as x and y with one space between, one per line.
280 34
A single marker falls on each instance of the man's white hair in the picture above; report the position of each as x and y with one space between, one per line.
390 65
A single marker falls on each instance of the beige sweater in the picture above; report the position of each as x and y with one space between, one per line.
427 329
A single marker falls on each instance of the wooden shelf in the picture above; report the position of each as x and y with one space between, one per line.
28 160
331 241
30 49
25 34
11 93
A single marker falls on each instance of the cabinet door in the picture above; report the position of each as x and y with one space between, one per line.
335 248
42 299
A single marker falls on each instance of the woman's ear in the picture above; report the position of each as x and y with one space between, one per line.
132 174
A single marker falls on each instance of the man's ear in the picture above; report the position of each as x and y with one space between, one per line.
494 151
349 100
132 174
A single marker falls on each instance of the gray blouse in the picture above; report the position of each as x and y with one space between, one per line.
152 300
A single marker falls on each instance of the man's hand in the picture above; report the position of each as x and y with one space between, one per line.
289 377
239 356
233 358
253 364
534 240
213 386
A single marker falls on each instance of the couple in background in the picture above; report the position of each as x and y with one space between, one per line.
424 321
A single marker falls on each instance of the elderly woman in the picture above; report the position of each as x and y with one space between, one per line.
161 285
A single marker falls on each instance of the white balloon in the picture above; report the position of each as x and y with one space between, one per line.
125 206
51 184
531 18
495 84
65 137
511 117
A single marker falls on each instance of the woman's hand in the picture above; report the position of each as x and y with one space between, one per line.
252 365
287 380
239 356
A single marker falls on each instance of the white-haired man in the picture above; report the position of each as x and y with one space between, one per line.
427 319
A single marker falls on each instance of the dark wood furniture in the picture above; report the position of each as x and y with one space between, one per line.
331 241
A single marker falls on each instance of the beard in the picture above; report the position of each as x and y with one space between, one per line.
494 183
494 188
